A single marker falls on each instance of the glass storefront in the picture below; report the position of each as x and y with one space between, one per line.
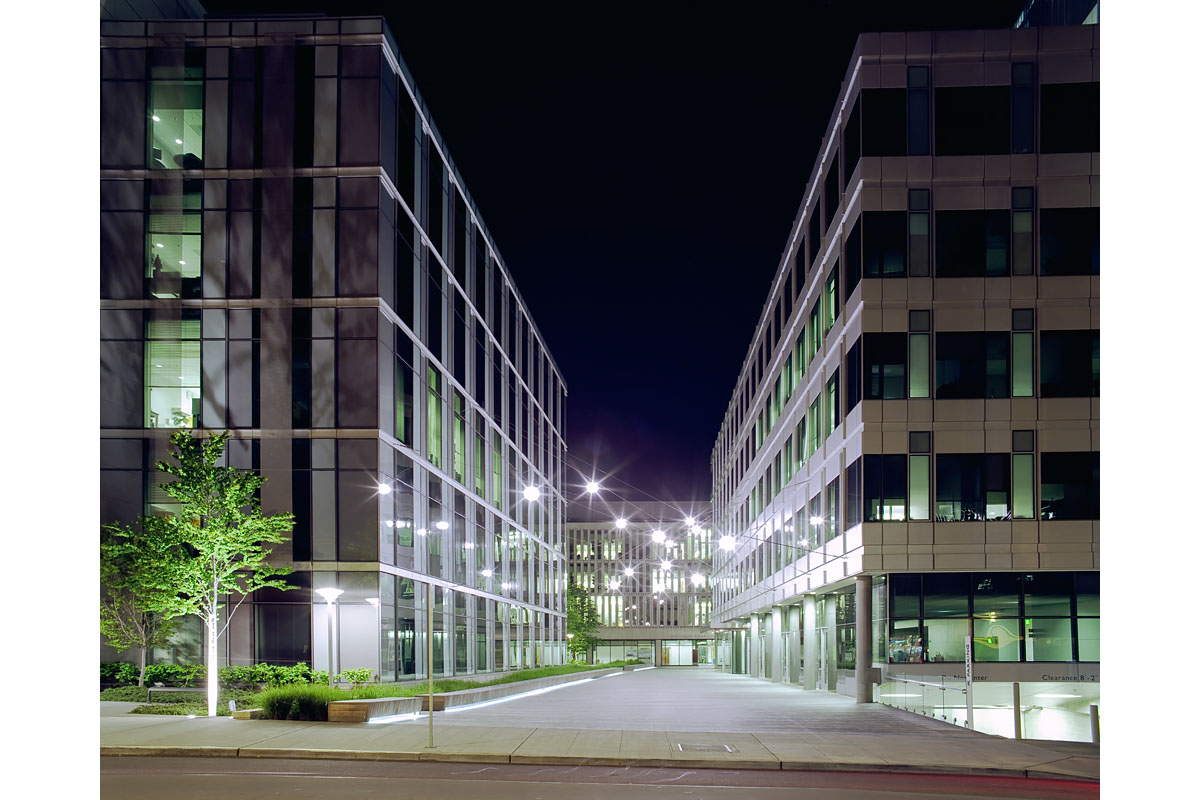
669 652
1011 616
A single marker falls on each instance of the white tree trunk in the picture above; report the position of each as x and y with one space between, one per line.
212 661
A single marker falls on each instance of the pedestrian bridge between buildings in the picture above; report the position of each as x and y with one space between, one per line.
695 699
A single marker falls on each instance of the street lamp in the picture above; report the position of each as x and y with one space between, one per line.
330 594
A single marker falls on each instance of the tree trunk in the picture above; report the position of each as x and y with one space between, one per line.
142 674
212 661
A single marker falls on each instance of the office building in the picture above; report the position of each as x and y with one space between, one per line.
911 454
289 253
646 568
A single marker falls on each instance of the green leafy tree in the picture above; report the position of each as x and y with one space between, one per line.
582 621
130 577
212 548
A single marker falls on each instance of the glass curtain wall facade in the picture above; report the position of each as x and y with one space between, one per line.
920 401
648 611
289 254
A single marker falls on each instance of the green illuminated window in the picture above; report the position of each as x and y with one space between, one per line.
480 465
832 418
433 418
175 132
173 240
918 487
800 360
497 469
831 299
172 385
814 426
814 324
460 440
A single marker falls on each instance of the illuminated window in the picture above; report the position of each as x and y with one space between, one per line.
173 372
173 239
175 137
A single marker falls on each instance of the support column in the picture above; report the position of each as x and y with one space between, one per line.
811 647
753 645
862 638
775 669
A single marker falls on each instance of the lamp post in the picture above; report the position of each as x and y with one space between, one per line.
330 594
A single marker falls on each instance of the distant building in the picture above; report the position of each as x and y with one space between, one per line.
288 253
911 453
650 610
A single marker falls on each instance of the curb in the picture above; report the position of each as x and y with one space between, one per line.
497 758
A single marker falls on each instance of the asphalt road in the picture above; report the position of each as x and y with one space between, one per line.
137 778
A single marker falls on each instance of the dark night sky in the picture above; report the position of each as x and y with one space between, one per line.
639 169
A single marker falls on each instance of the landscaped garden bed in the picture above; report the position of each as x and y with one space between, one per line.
295 692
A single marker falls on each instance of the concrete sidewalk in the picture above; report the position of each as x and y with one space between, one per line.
126 734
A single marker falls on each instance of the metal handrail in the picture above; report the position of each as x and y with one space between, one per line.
941 686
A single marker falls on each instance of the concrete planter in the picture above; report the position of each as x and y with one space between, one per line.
366 710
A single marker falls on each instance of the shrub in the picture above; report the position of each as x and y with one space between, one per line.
356 677
120 673
270 675
305 703
124 694
175 674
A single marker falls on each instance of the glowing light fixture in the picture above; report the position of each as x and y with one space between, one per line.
689 521
383 488
179 141
816 520
1064 696
159 244
658 536
621 523
156 117
666 564
727 542
697 579
330 594
629 572
593 487
421 531
660 587
487 573
614 585
441 525
531 493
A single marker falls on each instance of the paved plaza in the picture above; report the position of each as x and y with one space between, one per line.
700 699
654 717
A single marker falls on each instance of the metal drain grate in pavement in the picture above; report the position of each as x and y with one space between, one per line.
707 748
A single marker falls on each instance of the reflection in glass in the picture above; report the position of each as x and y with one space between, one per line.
1048 639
